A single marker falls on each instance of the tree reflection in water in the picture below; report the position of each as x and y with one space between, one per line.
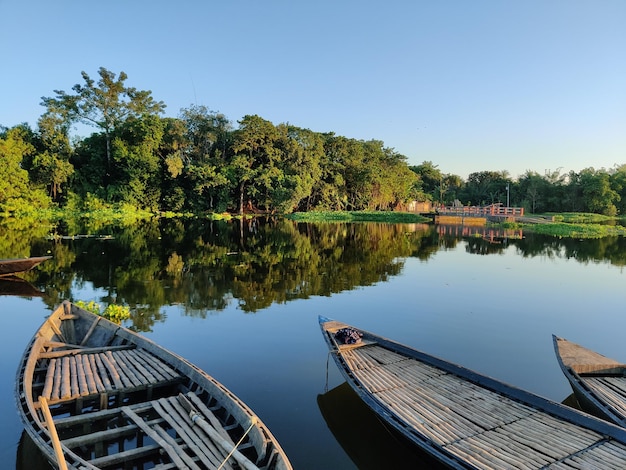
206 265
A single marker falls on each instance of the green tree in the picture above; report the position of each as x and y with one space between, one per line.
105 104
16 192
136 173
303 153
618 184
206 143
486 187
431 180
596 191
50 165
255 164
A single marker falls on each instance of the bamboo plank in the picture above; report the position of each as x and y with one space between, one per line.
89 375
610 390
158 365
96 416
208 414
103 373
126 374
47 388
66 389
171 451
513 450
95 373
112 371
82 376
487 454
56 388
210 454
76 350
180 451
154 368
144 374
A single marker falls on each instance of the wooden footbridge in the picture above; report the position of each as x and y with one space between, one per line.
491 212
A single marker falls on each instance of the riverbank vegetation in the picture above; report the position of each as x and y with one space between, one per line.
358 216
200 162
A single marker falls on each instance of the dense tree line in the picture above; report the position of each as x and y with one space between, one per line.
599 191
201 162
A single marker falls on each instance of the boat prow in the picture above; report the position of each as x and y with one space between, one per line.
598 382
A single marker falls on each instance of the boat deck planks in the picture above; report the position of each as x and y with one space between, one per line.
465 422
465 418
83 374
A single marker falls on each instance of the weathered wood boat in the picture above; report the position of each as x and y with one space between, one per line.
599 383
464 419
95 395
20 265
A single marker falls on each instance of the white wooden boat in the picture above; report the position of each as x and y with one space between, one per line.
95 395
599 383
465 419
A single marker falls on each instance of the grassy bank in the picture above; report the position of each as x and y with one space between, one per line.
357 216
585 230
573 225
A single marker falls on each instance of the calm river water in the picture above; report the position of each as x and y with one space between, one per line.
241 301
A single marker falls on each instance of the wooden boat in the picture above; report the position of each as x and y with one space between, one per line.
464 419
20 265
95 395
599 383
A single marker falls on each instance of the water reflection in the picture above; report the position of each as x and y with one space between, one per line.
207 265
361 434
29 456
13 285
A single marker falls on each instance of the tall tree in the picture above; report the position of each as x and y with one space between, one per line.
431 180
50 165
255 163
104 104
207 141
597 194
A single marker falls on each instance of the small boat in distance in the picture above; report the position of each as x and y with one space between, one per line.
20 265
95 395
599 383
464 419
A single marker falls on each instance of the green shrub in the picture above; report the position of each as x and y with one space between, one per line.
113 312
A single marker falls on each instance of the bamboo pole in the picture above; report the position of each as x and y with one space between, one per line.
199 421
56 444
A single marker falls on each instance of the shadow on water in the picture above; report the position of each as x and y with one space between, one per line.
29 457
362 435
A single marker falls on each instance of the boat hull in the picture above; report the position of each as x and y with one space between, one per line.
105 385
465 419
598 382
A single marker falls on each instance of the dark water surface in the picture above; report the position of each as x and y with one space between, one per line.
241 301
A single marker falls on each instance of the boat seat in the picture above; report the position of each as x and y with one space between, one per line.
81 373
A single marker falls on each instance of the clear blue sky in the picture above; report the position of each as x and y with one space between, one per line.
469 85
